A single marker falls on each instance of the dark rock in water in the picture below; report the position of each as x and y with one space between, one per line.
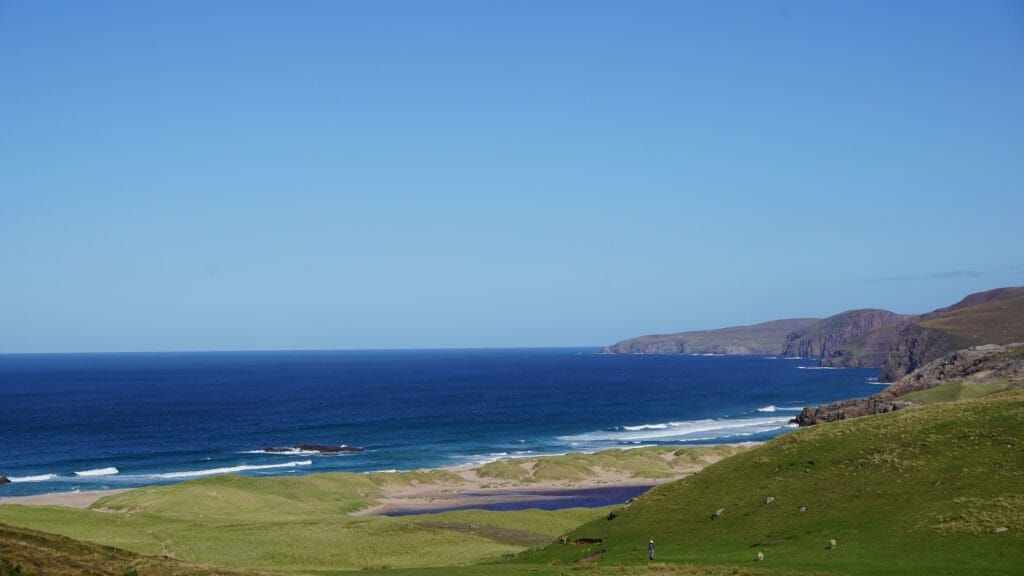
4 480
315 448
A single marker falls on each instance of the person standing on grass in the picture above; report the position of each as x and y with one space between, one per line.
650 550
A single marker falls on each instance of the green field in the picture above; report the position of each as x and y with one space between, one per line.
293 525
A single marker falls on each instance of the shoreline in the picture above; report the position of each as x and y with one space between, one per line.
461 486
81 499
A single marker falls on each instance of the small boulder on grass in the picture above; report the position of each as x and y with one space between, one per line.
759 556
831 544
718 514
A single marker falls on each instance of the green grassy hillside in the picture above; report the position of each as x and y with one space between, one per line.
924 491
25 552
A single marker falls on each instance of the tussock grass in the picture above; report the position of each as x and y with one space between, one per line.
505 470
955 391
649 462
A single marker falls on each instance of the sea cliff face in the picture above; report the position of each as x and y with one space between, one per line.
982 364
855 338
766 338
991 317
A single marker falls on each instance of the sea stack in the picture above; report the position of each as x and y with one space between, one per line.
4 480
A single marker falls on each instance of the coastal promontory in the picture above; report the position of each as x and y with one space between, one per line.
854 338
764 338
967 373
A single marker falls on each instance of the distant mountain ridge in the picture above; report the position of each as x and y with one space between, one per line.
865 338
764 338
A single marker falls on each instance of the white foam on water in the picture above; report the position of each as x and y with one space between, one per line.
39 478
284 452
228 470
109 471
774 408
693 430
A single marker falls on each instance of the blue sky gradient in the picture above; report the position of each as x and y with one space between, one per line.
274 175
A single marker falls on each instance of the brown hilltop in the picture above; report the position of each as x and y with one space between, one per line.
990 317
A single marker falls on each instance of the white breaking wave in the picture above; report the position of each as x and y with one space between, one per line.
285 452
229 470
40 478
820 368
110 471
708 429
774 408
649 427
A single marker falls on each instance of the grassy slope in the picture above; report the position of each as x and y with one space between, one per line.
912 492
36 552
649 462
995 322
955 391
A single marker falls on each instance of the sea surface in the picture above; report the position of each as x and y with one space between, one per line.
96 421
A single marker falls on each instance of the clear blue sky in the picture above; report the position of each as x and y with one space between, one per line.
198 175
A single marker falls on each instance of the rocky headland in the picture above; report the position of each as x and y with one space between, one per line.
855 338
999 366
864 338
765 338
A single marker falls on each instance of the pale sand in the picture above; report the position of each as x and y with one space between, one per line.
485 490
66 499
426 496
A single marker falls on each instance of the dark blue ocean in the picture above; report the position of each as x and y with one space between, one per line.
95 421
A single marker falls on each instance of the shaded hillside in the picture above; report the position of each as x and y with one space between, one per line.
765 338
31 552
937 490
855 338
991 317
984 369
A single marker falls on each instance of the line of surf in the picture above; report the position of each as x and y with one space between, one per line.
706 429
227 470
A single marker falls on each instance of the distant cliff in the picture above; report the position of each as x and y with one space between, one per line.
991 317
997 366
855 338
766 338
